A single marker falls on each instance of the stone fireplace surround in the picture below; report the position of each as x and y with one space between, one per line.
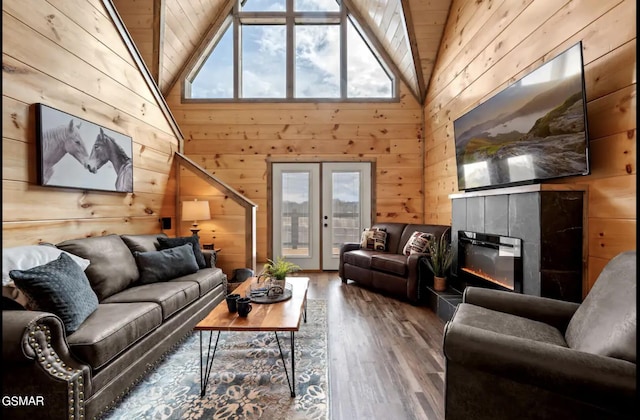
549 218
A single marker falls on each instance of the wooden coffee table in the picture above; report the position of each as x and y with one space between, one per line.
280 316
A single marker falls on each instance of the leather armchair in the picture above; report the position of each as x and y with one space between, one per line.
511 356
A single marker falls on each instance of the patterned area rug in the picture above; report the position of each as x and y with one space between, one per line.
247 378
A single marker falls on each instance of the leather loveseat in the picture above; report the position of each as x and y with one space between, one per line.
390 271
81 374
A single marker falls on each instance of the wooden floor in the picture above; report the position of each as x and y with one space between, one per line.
385 355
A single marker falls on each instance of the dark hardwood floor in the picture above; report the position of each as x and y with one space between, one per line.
385 355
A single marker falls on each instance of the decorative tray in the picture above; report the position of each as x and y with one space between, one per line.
260 296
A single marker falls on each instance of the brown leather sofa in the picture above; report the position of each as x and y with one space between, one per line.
82 374
390 271
515 356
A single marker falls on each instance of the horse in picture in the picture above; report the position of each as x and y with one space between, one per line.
106 149
57 142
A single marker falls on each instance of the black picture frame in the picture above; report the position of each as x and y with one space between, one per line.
75 153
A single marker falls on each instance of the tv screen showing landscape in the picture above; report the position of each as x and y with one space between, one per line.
533 130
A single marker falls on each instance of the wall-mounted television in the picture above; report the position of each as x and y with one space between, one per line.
533 130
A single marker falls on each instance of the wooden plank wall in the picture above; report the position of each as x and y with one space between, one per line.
429 19
488 45
138 17
68 54
235 140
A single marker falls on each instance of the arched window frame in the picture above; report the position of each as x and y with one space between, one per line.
289 18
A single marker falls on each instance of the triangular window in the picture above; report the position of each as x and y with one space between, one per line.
314 51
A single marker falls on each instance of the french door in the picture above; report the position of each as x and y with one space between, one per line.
316 207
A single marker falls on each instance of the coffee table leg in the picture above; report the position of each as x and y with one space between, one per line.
204 378
284 364
293 364
305 310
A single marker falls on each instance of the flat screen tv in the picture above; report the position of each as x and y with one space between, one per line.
534 130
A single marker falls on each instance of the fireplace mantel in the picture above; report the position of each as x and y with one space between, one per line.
521 190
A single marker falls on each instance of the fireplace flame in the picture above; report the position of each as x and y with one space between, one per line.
487 277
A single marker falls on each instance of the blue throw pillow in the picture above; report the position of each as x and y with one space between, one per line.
166 243
167 264
59 287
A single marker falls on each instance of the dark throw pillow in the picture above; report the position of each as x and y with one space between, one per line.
59 287
166 243
167 264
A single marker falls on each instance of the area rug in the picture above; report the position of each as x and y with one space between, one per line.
247 378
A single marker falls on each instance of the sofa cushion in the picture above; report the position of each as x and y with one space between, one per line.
193 240
503 323
167 264
207 279
59 287
374 239
143 243
417 243
111 329
390 263
171 296
359 257
605 323
112 267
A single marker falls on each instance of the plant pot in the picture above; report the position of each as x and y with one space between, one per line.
439 284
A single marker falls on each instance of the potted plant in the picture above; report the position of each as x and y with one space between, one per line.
439 261
275 271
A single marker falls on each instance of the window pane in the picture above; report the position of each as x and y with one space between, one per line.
263 61
345 209
316 6
365 76
296 187
262 5
317 61
215 78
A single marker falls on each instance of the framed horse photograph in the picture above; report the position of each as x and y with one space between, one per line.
75 153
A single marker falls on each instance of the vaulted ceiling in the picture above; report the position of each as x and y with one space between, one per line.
169 33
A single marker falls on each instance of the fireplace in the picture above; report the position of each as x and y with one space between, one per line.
491 261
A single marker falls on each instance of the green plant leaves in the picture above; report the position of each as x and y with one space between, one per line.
440 256
279 268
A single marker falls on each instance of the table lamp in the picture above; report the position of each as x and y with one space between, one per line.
195 210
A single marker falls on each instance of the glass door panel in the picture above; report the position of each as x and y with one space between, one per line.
346 207
296 231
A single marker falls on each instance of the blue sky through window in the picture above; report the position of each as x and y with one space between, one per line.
264 61
317 61
317 66
365 75
315 6
215 78
264 5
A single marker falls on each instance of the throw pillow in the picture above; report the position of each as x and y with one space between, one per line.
25 257
59 287
166 243
112 268
374 239
167 264
417 243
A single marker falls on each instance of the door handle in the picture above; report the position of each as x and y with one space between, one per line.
325 225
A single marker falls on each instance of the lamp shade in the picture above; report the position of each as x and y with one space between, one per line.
195 210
